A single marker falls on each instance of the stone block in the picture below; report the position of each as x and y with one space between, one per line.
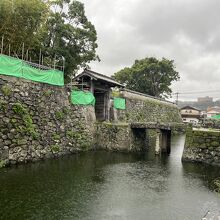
215 144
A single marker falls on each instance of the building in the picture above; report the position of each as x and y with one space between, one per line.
212 111
205 99
203 114
100 85
190 114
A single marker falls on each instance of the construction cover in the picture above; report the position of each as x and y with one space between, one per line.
216 117
15 67
119 103
82 98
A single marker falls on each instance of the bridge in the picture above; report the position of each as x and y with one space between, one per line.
163 135
152 125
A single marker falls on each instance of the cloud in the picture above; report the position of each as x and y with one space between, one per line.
183 30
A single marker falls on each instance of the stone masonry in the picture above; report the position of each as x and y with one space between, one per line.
141 108
202 145
38 121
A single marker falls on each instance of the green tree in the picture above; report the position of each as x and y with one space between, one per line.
59 28
150 76
70 35
21 21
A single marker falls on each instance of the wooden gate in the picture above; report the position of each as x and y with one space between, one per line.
100 105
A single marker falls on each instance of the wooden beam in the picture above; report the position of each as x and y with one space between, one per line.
91 86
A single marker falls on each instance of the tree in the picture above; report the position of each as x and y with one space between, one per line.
150 76
20 22
59 28
70 35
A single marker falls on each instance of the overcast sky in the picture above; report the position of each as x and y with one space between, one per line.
187 31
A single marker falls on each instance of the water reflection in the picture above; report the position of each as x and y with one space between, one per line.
102 185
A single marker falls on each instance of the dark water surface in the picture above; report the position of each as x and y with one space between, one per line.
101 185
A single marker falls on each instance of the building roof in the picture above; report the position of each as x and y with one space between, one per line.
98 76
214 108
213 111
190 107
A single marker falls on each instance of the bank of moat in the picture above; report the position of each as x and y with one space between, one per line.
38 121
202 145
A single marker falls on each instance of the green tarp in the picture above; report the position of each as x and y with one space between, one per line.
216 117
15 67
119 103
82 98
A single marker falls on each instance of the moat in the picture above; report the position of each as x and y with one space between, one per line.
103 185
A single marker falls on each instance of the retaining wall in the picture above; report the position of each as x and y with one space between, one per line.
140 108
38 121
120 137
202 146
114 137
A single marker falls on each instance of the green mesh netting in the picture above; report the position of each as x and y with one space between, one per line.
216 117
82 98
119 103
15 67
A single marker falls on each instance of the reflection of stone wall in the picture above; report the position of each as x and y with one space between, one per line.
38 121
145 109
202 146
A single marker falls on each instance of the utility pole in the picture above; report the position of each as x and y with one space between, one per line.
177 97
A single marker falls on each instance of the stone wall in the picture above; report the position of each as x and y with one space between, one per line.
125 137
119 137
111 136
140 108
38 121
210 123
202 145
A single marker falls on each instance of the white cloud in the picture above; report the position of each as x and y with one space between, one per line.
183 30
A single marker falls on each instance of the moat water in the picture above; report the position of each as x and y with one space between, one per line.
102 185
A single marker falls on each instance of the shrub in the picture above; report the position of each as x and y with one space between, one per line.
6 90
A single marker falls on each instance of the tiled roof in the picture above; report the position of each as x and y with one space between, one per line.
99 76
190 107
